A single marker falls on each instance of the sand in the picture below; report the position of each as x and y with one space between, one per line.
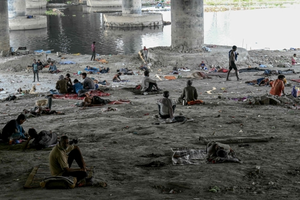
116 142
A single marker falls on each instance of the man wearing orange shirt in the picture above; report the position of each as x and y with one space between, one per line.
278 86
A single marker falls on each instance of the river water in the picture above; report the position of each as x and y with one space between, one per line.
275 28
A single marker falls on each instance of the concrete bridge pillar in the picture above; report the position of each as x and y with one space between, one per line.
4 29
187 24
16 8
130 7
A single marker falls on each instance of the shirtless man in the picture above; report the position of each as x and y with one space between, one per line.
117 78
232 58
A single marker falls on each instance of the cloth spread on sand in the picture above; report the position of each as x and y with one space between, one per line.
170 77
92 69
296 80
102 61
75 96
195 102
195 156
239 99
66 62
277 87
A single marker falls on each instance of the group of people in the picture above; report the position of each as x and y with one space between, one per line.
38 65
63 154
64 85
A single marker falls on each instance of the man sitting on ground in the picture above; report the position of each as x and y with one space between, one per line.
166 106
52 68
77 86
144 67
40 65
88 83
61 158
189 93
62 85
13 129
117 78
202 65
148 83
278 86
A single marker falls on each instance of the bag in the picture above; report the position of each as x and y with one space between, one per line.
296 91
59 182
179 118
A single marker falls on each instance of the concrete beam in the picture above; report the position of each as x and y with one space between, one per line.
104 3
187 24
36 3
130 7
143 20
4 29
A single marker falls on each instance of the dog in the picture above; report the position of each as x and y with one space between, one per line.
28 69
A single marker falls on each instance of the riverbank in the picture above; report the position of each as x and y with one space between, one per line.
117 142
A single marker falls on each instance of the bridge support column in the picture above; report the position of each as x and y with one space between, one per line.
187 24
4 29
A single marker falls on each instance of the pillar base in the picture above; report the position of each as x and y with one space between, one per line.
22 23
143 20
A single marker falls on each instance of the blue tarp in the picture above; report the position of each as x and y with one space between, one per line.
42 51
66 62
92 69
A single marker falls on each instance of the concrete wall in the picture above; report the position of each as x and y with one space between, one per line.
36 3
4 31
144 20
187 24
131 7
16 8
22 23
104 3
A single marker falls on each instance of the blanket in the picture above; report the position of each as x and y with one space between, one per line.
92 70
42 171
296 80
75 96
196 156
170 77
102 61
195 102
66 62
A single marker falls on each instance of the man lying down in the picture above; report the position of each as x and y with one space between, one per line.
92 100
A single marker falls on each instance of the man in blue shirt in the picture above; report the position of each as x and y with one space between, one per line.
35 70
77 86
52 68
13 129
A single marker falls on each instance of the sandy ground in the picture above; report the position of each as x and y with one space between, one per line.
115 142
